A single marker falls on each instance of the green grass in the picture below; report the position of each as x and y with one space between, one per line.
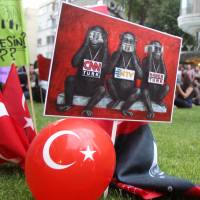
178 149
178 144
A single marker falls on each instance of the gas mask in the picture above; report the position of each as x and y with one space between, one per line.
95 37
128 43
154 48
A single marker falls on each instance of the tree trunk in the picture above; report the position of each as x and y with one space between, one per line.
142 15
130 3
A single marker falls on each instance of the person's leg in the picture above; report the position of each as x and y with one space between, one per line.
182 103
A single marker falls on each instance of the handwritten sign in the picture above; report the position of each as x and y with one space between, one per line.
12 35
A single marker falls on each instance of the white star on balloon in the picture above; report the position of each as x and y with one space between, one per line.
88 153
29 123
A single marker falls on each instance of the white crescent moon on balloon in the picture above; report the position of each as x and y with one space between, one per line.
3 111
46 154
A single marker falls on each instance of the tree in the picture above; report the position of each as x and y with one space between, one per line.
157 14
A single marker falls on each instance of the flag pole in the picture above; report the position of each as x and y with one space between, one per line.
31 99
114 131
27 57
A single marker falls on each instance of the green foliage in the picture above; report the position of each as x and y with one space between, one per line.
156 14
178 149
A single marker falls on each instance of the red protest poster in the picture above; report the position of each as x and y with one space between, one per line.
108 68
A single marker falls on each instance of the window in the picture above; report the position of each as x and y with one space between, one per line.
48 54
55 6
186 7
39 42
51 23
50 39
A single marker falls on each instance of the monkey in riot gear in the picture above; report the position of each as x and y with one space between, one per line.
91 63
126 70
154 87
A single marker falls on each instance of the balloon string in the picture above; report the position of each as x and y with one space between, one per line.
114 130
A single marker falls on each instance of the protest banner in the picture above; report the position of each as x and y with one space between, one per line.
13 44
108 68
4 71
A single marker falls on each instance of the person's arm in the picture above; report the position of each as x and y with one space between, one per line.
185 94
196 83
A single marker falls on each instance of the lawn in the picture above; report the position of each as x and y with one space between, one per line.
178 149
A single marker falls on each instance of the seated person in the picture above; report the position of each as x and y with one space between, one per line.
196 84
184 92
23 81
38 92
1 86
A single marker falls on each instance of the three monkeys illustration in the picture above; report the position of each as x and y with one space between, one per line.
94 63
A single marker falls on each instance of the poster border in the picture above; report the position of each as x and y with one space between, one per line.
122 20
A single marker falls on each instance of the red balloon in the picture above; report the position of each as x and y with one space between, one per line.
70 159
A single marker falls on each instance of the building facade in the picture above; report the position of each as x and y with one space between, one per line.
48 16
189 19
47 23
31 31
189 22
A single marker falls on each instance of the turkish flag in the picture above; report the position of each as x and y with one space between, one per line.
16 105
100 8
12 145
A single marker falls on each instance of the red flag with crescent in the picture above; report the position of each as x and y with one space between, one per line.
13 145
16 105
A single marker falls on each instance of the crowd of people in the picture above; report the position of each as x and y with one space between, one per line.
187 86
38 91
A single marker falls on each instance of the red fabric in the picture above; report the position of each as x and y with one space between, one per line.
145 194
129 127
16 105
193 192
105 124
1 161
124 127
101 9
43 66
12 146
